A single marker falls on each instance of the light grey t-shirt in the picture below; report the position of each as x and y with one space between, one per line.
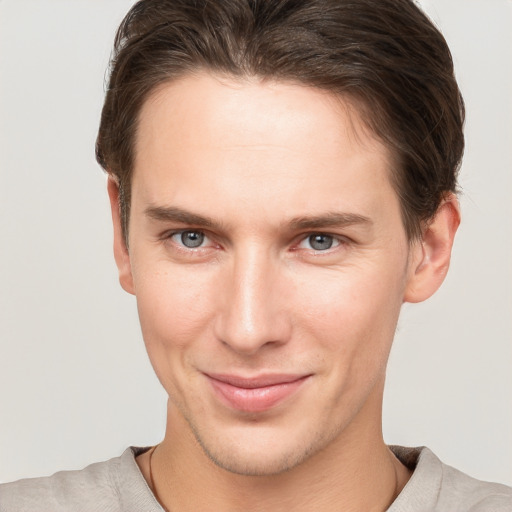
117 485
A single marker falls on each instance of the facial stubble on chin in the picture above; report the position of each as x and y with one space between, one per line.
229 462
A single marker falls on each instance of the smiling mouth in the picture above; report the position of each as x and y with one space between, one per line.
256 394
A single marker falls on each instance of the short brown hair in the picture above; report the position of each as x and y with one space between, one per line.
385 55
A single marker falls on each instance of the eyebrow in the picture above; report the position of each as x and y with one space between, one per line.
330 219
174 214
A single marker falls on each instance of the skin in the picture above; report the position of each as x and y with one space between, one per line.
268 165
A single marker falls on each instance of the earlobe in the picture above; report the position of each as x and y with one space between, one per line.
430 256
121 253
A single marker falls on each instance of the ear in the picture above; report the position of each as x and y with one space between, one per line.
430 256
121 254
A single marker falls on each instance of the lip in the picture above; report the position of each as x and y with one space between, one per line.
256 394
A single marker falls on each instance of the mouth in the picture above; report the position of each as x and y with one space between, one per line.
257 394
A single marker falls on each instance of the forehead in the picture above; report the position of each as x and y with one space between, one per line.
268 145
241 106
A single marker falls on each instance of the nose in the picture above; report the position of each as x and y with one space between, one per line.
252 305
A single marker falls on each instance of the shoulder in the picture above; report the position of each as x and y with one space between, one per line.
107 486
437 487
476 495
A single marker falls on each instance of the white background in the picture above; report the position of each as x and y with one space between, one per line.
75 382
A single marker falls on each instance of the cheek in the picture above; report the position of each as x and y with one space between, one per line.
350 323
175 309
351 312
172 300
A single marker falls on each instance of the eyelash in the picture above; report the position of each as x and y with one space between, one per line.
173 234
337 240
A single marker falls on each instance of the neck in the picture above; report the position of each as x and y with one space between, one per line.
356 471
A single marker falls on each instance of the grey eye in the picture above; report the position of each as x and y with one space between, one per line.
192 239
320 242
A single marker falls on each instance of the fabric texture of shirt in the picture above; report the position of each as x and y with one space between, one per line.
117 485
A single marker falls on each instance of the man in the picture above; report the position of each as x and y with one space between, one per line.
282 180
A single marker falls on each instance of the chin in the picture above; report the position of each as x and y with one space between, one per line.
251 464
263 453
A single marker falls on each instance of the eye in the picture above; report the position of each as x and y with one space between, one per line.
190 238
319 242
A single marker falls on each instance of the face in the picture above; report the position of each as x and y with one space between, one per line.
269 262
